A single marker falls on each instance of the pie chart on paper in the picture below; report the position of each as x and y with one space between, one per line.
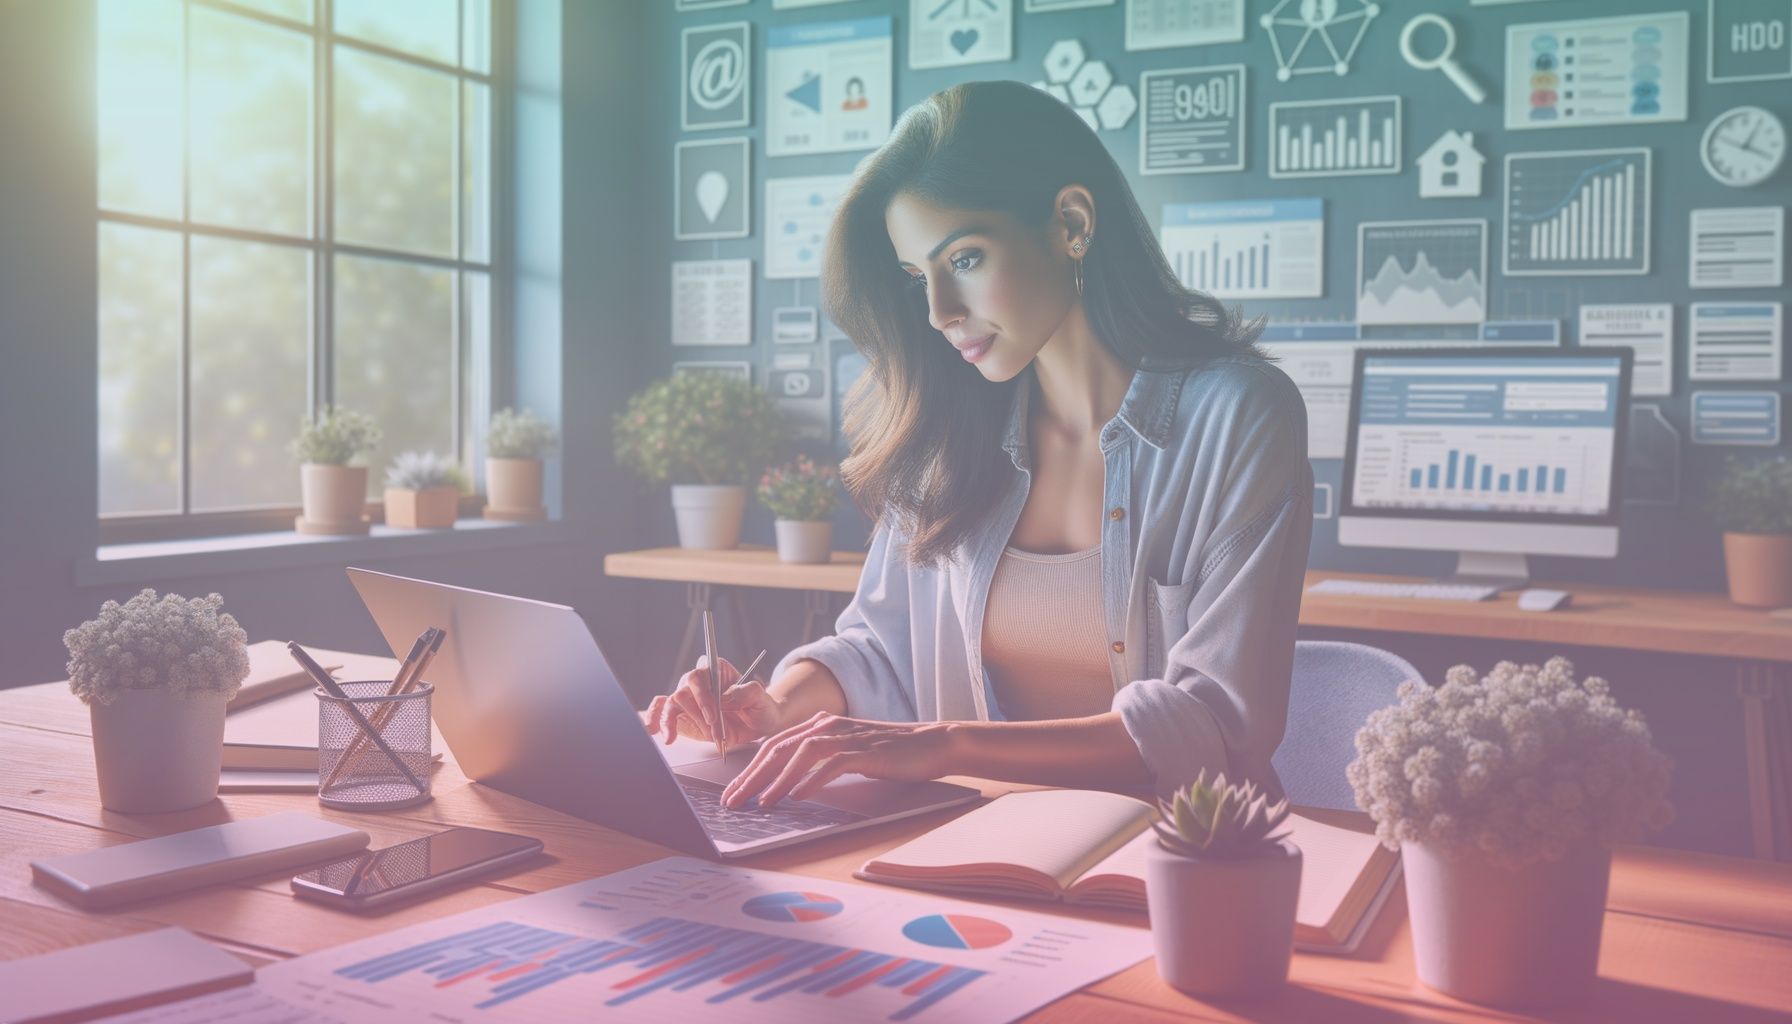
800 907
957 931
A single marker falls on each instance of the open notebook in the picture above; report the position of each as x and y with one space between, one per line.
1086 846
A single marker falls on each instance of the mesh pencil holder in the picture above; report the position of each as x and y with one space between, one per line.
353 773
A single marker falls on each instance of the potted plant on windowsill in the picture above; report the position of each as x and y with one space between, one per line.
515 444
423 491
1222 887
1504 795
334 493
1752 504
706 435
802 498
156 674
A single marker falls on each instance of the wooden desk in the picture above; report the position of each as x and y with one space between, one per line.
1687 936
1756 646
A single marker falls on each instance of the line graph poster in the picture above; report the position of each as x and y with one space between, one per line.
1583 212
1421 272
1248 249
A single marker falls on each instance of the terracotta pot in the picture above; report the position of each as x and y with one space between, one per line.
333 495
1520 937
156 751
709 515
513 486
432 508
810 543
1759 568
1223 927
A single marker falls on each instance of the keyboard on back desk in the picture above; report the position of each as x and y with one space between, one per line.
751 823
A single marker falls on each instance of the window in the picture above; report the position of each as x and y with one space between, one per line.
295 210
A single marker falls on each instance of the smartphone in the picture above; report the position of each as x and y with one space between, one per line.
378 878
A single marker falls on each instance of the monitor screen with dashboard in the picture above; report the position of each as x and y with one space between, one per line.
1507 450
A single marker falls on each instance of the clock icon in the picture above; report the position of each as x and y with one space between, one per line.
1743 146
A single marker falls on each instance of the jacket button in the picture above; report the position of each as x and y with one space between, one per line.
1117 513
1119 647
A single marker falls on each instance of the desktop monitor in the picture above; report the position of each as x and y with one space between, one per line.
1492 452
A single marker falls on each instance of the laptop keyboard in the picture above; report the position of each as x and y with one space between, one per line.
750 823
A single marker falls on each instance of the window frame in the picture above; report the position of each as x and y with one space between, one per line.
322 248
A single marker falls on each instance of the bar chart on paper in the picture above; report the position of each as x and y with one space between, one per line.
1582 212
683 939
1328 138
1246 249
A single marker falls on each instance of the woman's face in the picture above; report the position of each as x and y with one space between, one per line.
994 287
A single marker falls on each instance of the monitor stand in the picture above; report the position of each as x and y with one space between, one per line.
1490 569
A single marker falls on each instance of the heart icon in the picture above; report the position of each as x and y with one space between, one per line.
712 192
964 39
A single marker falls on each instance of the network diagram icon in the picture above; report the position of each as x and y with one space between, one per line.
1324 20
1087 86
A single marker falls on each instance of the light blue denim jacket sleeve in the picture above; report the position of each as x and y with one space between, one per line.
1209 499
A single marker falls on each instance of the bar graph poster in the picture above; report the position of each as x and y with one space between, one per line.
1736 417
1734 341
1571 74
1584 212
828 86
1421 272
1194 120
681 939
1248 249
1333 138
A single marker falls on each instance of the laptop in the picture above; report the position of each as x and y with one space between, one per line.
528 704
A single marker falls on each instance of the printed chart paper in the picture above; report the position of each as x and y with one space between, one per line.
1248 249
1321 360
947 33
712 302
681 939
797 214
1422 272
1572 74
828 86
1734 341
1738 247
1194 120
1646 327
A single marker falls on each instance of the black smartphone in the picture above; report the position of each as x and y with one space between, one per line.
378 878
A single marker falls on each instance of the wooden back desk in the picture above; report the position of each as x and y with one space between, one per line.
1688 937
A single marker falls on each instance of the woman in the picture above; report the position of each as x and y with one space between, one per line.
1092 493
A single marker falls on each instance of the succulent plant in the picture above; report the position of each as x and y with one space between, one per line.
1218 821
420 471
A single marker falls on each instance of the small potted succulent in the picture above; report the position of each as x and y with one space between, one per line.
1222 886
1752 504
1505 795
423 491
156 674
334 492
802 498
515 443
707 435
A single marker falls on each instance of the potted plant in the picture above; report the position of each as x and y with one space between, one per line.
1222 886
423 491
155 674
334 492
1752 504
1504 795
515 443
802 498
706 435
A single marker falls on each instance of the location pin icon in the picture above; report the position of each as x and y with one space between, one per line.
712 192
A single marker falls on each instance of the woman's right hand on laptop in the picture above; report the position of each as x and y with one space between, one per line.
690 710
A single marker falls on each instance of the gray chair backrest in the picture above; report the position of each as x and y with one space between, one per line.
1334 688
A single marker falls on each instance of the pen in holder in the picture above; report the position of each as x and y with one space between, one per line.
354 774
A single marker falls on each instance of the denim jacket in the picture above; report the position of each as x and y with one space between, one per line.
1208 511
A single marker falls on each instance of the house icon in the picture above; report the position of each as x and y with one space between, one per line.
1451 168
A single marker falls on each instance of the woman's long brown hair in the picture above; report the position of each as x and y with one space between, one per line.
925 427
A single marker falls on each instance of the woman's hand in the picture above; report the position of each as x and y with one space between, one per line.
751 712
826 746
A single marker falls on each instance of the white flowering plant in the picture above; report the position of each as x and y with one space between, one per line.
1522 764
519 435
185 646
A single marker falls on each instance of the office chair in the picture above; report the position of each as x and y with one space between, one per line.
1334 688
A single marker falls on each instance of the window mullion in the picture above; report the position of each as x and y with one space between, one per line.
183 374
323 342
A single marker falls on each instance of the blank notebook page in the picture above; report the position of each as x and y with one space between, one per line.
1058 832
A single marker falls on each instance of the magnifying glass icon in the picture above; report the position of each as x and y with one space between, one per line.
1443 61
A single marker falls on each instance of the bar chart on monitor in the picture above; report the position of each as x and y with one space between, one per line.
1330 138
1584 212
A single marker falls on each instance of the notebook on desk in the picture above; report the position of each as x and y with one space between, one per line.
1088 847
